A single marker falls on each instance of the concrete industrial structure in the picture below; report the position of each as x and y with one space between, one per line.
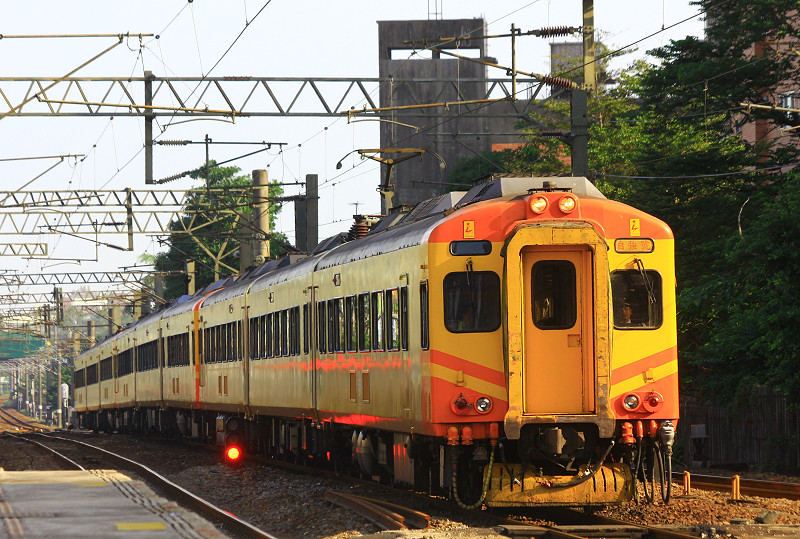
454 132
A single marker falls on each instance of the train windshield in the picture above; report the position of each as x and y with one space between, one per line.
637 299
471 301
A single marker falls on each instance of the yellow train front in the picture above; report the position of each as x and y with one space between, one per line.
552 360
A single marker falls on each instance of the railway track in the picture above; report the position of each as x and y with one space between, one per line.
559 527
227 521
17 424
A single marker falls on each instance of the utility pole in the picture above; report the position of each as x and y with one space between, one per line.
579 127
306 215
148 127
589 74
60 423
260 229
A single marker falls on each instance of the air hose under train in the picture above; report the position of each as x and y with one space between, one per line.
487 477
588 473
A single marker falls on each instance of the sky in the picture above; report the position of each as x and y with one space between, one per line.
276 38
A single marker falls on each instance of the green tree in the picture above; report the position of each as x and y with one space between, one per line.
532 158
214 239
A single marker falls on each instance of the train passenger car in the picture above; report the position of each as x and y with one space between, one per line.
280 352
509 346
222 373
89 401
175 345
124 348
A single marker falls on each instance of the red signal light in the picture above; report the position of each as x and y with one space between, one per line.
233 453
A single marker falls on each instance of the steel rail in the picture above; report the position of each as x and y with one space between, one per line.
9 418
55 453
230 521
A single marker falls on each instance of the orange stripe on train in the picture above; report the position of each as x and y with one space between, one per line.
469 368
641 365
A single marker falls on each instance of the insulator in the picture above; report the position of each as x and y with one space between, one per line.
172 178
358 230
556 31
558 81
174 142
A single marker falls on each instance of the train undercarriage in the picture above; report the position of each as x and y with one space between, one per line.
566 465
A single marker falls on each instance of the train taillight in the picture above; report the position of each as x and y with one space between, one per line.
233 454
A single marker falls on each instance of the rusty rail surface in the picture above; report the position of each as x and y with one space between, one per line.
385 515
17 422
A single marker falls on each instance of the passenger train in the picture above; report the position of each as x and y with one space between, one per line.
512 345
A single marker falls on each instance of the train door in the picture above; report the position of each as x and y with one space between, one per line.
558 370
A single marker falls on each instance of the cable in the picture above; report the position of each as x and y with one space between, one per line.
698 176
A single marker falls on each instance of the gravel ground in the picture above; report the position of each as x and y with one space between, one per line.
291 504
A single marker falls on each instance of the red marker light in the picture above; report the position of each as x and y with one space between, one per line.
233 453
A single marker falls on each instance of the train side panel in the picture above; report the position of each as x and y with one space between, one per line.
178 385
222 384
279 349
368 372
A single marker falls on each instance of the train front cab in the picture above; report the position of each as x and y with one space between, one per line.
559 365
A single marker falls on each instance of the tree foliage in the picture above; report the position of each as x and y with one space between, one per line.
213 243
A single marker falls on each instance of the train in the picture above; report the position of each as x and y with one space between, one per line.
512 345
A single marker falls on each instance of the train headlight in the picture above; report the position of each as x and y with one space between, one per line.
567 203
630 402
483 404
538 204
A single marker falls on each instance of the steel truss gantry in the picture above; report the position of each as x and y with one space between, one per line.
233 96
91 212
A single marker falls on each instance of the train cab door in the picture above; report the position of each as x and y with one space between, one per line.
558 318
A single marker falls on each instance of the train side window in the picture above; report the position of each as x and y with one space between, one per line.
364 323
351 324
554 301
276 334
393 319
340 324
377 320
212 344
253 338
262 336
423 316
294 331
333 331
80 379
321 321
106 371
268 335
306 327
91 374
637 299
239 341
404 317
471 301
285 332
